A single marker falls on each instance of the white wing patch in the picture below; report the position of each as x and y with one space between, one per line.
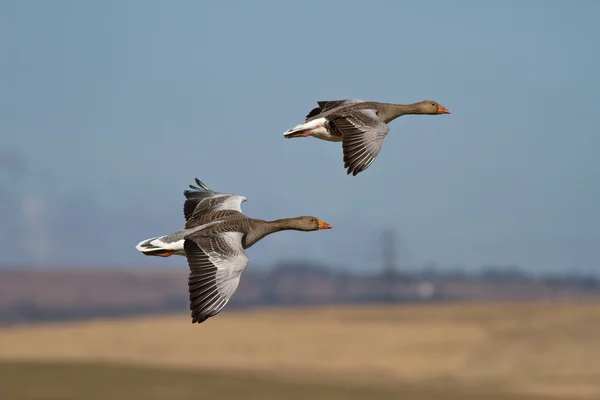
231 202
216 264
229 265
219 202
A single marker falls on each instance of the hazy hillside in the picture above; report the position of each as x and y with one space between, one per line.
52 295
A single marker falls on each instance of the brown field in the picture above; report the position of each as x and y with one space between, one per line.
549 349
76 381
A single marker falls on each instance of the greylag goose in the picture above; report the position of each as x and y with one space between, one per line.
214 238
359 125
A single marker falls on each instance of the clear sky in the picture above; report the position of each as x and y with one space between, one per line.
108 110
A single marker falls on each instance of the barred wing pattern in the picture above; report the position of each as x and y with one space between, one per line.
216 264
363 135
201 199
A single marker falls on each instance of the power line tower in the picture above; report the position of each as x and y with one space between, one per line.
389 273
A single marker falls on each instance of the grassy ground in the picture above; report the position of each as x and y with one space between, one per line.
550 349
29 381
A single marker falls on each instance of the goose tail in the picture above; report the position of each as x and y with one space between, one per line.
304 129
162 246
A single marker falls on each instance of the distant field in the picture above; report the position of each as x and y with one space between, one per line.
550 348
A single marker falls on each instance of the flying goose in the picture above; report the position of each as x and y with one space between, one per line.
359 125
214 238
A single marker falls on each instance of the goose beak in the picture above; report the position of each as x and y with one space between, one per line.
324 225
443 110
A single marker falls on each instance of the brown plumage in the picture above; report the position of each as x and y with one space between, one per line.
214 239
360 125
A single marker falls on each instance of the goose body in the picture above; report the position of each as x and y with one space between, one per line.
360 125
213 240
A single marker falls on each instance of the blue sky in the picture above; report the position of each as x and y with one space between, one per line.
108 110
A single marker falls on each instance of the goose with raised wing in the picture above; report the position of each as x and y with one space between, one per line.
214 238
360 125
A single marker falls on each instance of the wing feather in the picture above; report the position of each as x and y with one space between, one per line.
201 199
362 138
216 264
329 105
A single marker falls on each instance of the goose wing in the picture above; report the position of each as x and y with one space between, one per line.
201 199
362 137
329 105
216 264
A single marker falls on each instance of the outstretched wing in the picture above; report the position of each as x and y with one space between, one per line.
362 137
325 106
201 199
216 263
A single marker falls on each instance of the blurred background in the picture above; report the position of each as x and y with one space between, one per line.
463 263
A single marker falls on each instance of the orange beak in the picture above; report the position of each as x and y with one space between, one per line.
323 225
442 110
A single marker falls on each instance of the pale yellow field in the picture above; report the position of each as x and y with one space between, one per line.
547 348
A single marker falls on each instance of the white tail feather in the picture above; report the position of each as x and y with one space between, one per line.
306 125
155 246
